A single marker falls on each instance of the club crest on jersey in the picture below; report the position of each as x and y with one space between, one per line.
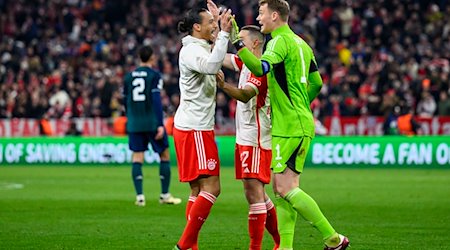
211 164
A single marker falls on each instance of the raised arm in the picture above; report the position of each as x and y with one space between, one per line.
254 64
211 64
276 51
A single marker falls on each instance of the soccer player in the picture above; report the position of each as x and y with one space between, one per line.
294 81
253 142
145 124
198 160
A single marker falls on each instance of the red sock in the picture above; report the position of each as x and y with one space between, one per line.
197 216
272 223
188 210
256 220
189 205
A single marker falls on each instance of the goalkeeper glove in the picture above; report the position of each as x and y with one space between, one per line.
234 35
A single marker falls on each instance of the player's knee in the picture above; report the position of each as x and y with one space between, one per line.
254 193
215 191
212 189
281 189
254 197
210 184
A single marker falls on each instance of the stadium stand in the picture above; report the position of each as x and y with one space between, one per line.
66 58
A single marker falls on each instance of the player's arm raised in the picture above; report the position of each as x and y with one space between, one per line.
215 11
275 53
211 65
243 95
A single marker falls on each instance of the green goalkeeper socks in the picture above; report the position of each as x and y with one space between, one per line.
287 218
310 211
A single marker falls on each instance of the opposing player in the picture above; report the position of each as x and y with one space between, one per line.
198 160
145 124
253 142
294 82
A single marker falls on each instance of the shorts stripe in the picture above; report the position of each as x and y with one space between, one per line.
256 157
253 160
200 150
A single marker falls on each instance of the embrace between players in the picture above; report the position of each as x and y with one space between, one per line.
274 123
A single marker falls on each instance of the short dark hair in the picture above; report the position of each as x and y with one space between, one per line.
255 31
190 18
145 52
280 6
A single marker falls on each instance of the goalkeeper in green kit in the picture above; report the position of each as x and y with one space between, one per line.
294 81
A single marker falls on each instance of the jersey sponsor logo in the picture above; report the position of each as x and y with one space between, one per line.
211 164
254 80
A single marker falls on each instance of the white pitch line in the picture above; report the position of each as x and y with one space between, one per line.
10 186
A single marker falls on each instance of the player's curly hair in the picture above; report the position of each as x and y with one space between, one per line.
280 6
190 18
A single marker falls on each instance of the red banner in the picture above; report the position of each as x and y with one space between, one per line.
373 125
103 127
30 127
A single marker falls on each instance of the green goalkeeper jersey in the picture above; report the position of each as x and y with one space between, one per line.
293 78
290 58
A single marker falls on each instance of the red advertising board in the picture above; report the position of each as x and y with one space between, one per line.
373 125
102 127
30 127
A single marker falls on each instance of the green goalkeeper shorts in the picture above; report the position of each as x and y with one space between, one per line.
289 152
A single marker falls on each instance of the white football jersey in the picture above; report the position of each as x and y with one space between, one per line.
198 68
253 117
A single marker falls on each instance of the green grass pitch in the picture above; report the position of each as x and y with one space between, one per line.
93 208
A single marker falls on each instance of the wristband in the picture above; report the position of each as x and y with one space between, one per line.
239 45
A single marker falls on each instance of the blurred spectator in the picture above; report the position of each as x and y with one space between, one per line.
73 129
222 108
444 104
426 106
406 123
390 125
372 54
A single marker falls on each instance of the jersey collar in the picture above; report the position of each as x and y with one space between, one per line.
282 29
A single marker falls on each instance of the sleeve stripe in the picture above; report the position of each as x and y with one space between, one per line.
272 44
303 78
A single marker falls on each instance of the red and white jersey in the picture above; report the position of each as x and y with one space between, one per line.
198 68
253 117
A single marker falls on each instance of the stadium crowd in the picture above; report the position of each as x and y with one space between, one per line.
67 58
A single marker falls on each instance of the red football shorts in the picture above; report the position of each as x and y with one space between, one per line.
252 162
196 154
